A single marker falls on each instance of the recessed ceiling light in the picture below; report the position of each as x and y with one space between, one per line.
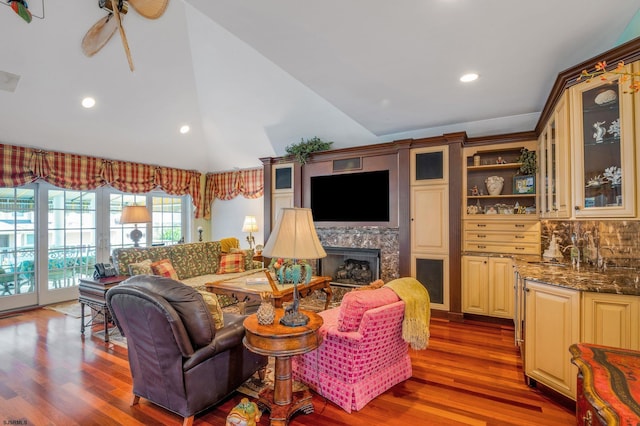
88 102
469 77
184 129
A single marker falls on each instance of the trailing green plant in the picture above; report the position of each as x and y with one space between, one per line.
529 162
303 149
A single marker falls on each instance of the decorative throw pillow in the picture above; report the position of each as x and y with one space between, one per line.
233 262
226 244
356 303
248 257
141 268
164 268
211 300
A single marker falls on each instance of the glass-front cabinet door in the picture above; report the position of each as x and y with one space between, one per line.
553 147
604 184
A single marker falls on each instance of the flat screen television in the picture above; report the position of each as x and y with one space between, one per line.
350 197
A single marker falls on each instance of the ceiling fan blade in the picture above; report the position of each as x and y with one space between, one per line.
151 9
123 36
98 35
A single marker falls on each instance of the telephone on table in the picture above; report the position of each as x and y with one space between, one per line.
104 270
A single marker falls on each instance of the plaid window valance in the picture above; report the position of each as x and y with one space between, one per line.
21 165
227 185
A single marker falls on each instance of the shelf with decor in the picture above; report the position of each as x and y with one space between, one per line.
493 182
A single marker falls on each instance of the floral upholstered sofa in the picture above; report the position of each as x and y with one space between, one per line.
193 264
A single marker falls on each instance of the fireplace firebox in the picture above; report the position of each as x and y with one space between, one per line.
350 267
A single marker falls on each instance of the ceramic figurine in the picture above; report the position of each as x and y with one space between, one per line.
244 414
600 131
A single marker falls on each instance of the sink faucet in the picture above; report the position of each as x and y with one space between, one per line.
575 251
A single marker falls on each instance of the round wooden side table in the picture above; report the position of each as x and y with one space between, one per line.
283 342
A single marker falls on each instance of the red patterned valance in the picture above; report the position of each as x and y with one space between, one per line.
228 185
22 165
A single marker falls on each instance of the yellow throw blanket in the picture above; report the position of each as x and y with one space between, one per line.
417 311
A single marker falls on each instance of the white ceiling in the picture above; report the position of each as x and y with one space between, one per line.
253 76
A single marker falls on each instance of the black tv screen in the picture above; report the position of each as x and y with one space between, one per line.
351 197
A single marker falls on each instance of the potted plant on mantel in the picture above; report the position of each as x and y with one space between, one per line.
303 149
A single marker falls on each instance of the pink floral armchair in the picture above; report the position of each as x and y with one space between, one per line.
362 354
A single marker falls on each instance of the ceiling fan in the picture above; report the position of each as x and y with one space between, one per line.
102 31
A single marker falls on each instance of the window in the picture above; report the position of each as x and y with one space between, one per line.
167 220
168 224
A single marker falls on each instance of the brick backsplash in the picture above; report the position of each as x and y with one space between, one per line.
617 240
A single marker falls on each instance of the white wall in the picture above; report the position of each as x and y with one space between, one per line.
227 218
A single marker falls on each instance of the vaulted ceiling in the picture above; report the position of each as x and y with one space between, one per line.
252 76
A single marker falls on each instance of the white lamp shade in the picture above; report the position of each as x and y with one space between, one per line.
250 224
135 214
294 236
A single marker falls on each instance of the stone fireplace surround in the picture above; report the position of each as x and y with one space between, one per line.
371 237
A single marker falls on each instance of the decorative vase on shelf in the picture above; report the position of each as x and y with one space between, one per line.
266 312
494 184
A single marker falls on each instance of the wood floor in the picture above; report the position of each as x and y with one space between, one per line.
471 374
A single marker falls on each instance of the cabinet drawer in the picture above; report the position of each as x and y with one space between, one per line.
518 226
479 236
498 247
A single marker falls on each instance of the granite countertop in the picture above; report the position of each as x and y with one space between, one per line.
613 280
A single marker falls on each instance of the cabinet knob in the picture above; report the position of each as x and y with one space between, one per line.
576 208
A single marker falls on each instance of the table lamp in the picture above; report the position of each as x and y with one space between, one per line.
294 237
250 225
135 215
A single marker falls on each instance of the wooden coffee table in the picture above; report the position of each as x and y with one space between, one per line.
245 291
283 342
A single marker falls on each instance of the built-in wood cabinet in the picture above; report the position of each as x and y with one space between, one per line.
602 122
552 324
282 186
554 190
502 221
611 320
492 235
429 200
499 223
488 286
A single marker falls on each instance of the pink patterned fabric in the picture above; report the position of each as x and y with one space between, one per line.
351 368
356 303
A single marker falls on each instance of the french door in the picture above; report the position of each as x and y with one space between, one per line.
50 238
18 222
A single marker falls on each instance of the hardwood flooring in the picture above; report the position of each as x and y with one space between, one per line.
471 374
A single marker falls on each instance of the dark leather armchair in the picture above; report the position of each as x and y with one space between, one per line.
178 359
